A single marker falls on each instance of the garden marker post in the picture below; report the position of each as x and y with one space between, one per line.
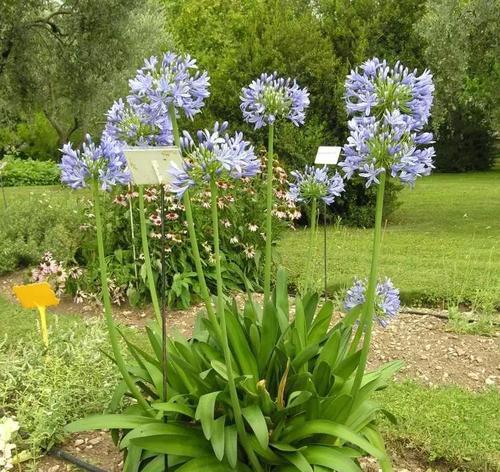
328 155
39 296
269 215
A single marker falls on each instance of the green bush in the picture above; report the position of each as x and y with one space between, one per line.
48 221
465 141
46 390
242 213
294 371
18 172
34 138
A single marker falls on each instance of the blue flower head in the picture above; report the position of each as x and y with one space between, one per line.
214 155
173 80
315 182
389 108
131 124
104 163
270 98
387 301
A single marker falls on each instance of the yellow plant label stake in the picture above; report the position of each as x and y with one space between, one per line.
39 296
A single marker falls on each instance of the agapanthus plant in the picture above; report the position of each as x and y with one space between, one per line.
387 302
265 101
132 125
172 81
389 109
310 186
101 166
315 184
215 155
103 163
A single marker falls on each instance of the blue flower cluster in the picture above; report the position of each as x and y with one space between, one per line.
215 155
389 108
144 119
387 301
104 163
270 98
315 182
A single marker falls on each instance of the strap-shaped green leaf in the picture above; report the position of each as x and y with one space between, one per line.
133 459
205 412
177 445
330 457
205 464
217 438
255 419
174 407
240 347
109 422
299 461
231 445
326 427
160 429
321 323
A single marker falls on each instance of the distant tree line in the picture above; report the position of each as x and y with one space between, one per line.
63 62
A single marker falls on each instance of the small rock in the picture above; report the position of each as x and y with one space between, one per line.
490 380
95 441
79 442
473 376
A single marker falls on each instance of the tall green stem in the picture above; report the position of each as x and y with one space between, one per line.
311 251
221 313
113 335
269 216
147 257
366 321
192 232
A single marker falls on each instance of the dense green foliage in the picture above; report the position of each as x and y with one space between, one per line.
68 60
35 221
293 377
462 49
434 430
19 172
44 391
441 245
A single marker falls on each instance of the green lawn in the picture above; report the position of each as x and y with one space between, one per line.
442 244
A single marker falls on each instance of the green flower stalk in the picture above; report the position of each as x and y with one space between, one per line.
186 199
269 215
312 237
238 417
266 100
366 321
113 334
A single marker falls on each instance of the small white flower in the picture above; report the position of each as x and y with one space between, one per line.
253 227
234 240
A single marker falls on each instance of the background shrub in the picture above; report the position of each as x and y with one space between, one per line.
20 172
465 141
48 221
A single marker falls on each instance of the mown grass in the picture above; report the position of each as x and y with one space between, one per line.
446 423
441 245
